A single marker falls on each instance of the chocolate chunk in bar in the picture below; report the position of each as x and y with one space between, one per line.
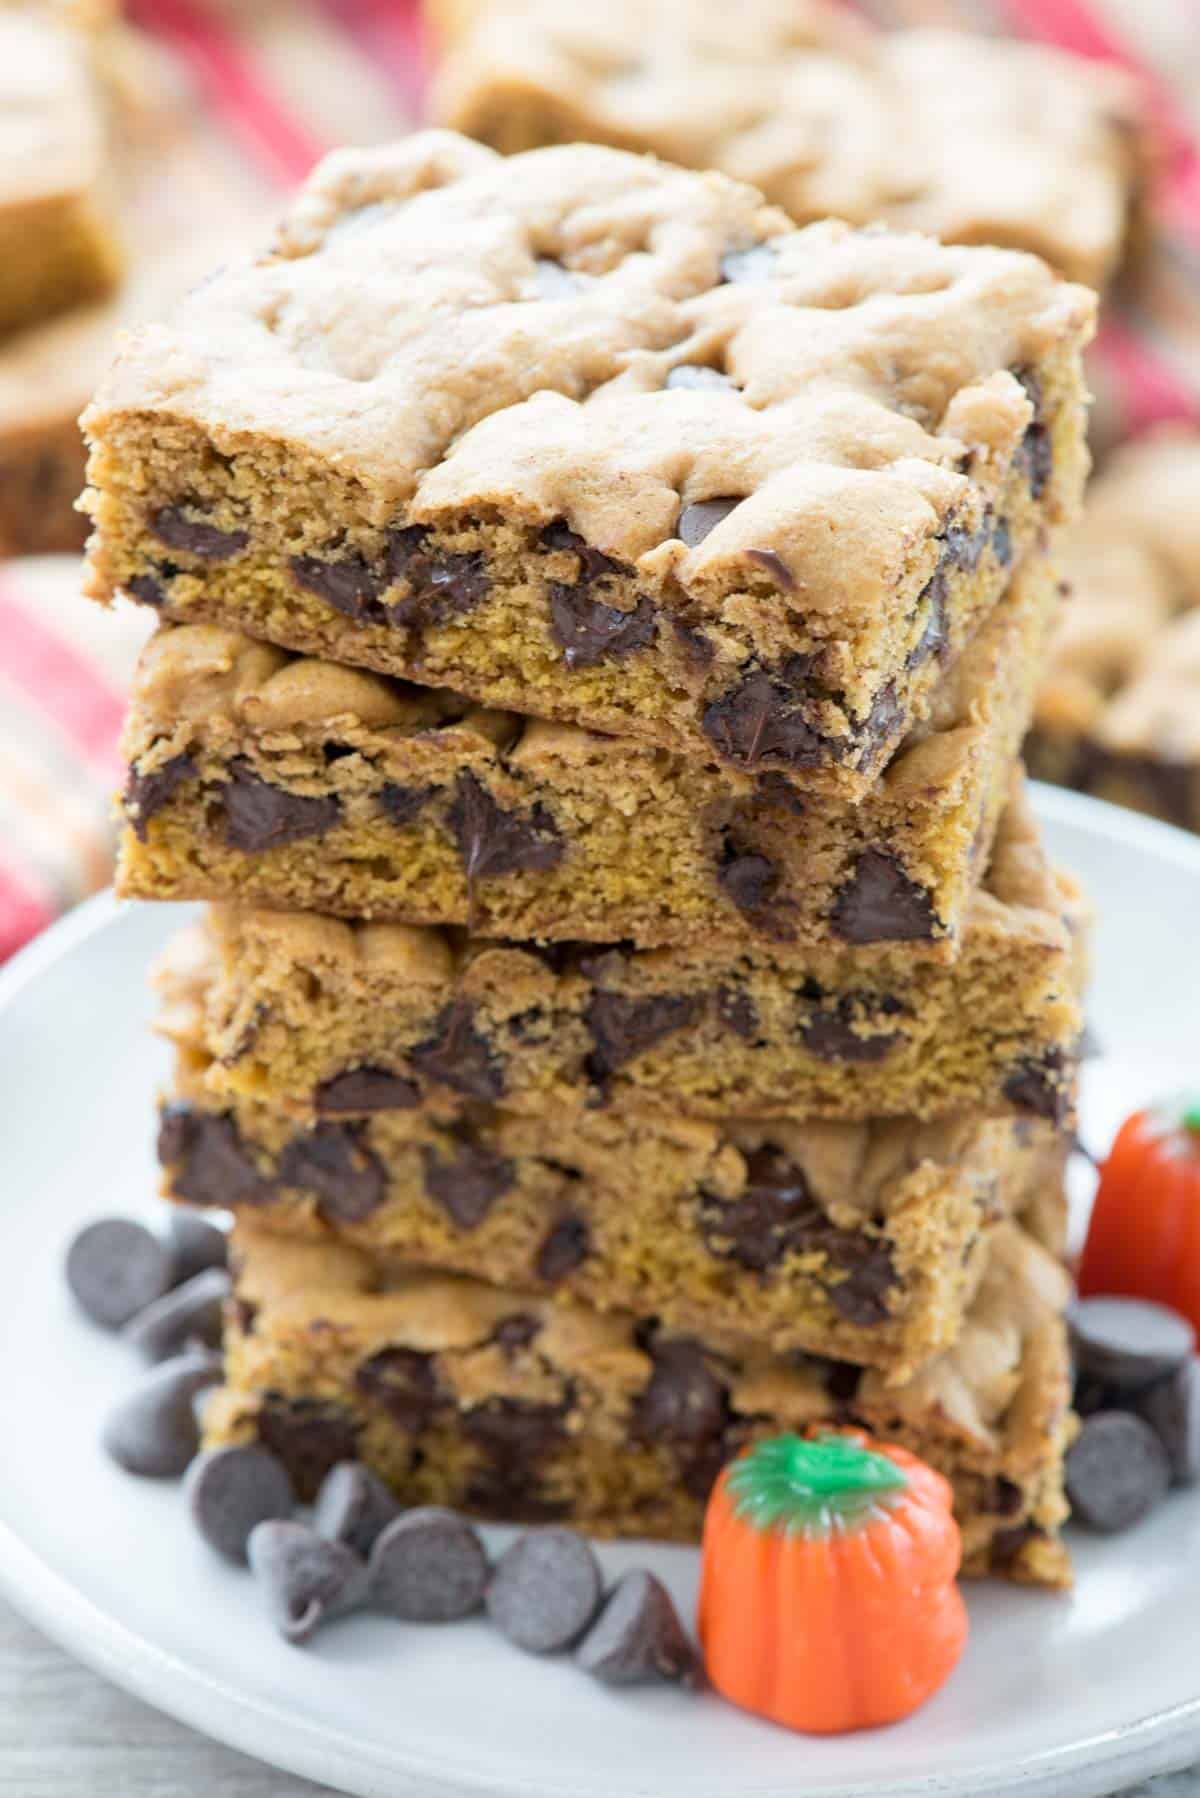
764 716
347 583
365 1089
333 1162
881 903
308 1436
494 841
441 586
146 794
457 1055
684 1401
735 1009
515 1434
829 1033
624 1026
178 529
403 1383
467 1183
209 1163
749 880
564 1249
697 520
403 804
260 815
151 589
593 564
1038 1086
588 631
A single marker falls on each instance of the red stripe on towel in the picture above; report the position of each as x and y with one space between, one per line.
228 76
390 33
61 683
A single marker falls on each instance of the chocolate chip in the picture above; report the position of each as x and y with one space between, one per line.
457 1055
403 1382
755 264
545 1590
188 1316
624 1026
1004 1497
1172 1409
467 1183
172 526
1035 458
146 794
775 566
429 1566
442 586
516 1332
748 881
514 1433
1116 1471
494 841
774 788
353 1506
306 1578
153 1430
148 589
403 804
587 631
881 903
684 1402
308 1436
736 1010
830 1034
594 565
1128 1343
1002 542
365 1089
347 583
1038 1086
208 1162
260 815
934 639
695 644
553 281
564 1249
194 1245
962 548
115 1268
638 1637
231 1490
776 1215
762 716
334 1163
711 380
699 519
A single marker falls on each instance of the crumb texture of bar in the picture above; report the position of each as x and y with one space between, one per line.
972 139
1118 714
512 1405
603 441
865 1241
290 1002
302 785
57 242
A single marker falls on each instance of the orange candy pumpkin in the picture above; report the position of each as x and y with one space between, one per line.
1144 1236
827 1597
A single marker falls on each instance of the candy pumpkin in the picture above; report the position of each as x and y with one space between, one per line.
827 1596
1144 1236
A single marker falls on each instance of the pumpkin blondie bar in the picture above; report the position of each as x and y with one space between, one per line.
298 1004
588 437
864 1241
515 1406
297 784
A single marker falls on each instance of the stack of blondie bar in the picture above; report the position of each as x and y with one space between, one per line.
636 1012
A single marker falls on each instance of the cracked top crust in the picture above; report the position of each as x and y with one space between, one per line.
974 1388
469 335
1125 658
973 140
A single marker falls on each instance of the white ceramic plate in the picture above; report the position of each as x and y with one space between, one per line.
1077 1695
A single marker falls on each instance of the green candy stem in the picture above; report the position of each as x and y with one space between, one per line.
815 1485
1191 1114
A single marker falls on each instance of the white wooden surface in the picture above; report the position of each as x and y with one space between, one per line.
64 1733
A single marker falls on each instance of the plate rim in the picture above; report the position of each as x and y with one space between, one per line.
1159 1742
